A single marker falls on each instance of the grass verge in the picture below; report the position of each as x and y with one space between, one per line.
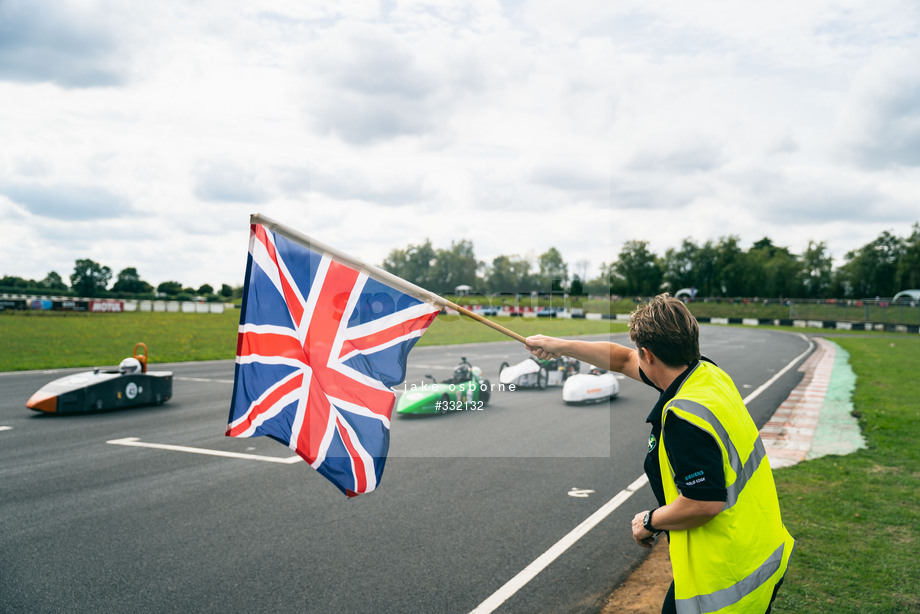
451 329
49 341
856 518
55 340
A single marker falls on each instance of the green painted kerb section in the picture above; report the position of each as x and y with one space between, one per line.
838 430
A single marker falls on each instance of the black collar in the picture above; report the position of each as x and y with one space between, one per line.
655 416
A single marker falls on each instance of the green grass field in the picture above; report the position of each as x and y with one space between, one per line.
49 340
856 518
54 340
451 329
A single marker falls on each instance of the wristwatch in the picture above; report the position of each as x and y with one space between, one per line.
647 523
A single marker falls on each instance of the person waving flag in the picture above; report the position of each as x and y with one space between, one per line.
323 338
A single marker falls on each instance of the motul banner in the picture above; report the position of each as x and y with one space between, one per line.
108 306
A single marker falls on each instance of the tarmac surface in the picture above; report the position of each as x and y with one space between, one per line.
152 509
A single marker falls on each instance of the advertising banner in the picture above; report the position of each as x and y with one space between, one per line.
107 306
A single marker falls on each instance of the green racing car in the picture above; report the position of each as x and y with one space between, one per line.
465 390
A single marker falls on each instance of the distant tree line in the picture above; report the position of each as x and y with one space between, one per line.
882 268
91 279
443 270
720 268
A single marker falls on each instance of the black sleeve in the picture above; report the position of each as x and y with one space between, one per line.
696 459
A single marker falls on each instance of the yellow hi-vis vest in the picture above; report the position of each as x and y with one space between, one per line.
733 562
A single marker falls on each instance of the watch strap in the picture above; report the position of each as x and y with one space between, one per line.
647 522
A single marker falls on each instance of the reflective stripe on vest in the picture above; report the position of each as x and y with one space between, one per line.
743 472
735 593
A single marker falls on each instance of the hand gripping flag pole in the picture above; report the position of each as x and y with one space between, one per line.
323 338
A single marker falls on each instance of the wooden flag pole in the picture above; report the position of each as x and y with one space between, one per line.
377 273
486 321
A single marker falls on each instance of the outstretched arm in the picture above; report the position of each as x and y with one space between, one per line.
611 356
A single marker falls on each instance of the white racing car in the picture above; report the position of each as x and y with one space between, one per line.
535 373
595 386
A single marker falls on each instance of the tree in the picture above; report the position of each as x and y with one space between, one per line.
784 274
730 269
872 269
714 269
602 284
129 282
704 270
413 264
226 291
89 278
639 269
773 270
581 270
677 266
509 274
11 281
206 290
554 272
817 267
170 288
53 281
908 271
454 267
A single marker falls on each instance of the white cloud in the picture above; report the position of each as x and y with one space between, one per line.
68 44
228 182
145 135
880 123
67 202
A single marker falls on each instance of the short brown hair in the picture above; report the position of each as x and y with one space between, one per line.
665 326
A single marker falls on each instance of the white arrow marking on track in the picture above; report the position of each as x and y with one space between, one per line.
137 443
582 493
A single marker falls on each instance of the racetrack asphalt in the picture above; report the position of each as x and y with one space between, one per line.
468 500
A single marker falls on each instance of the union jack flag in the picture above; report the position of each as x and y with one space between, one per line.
320 347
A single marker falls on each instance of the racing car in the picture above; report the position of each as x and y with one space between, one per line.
129 385
464 390
595 386
536 373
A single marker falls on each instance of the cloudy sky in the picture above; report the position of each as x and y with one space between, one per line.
145 134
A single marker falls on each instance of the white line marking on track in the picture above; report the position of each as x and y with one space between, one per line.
6 428
527 574
542 562
204 379
137 443
781 372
